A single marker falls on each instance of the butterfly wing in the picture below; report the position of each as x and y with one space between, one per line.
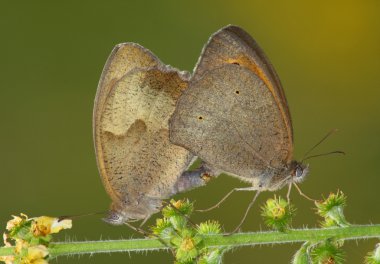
234 114
135 98
233 45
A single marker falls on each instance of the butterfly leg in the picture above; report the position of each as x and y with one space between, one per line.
302 194
288 193
146 234
226 196
144 221
137 229
245 214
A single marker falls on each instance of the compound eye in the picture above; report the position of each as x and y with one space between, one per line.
299 172
113 218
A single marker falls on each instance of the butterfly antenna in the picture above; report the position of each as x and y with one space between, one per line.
324 154
316 145
62 217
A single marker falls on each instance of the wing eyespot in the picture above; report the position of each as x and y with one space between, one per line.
200 118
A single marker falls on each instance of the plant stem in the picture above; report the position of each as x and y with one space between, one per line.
239 239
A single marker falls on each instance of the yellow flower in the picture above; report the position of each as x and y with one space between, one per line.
177 204
5 239
58 225
188 244
36 255
45 225
16 221
20 245
7 259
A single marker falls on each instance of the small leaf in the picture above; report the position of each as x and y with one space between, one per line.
177 213
374 256
327 252
214 256
302 255
188 245
209 228
163 227
331 209
180 207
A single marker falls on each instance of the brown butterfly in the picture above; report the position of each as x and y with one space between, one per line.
235 117
138 165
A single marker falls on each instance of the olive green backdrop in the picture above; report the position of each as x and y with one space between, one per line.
326 53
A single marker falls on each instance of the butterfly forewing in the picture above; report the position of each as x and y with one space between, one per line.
233 45
215 121
123 58
135 98
139 159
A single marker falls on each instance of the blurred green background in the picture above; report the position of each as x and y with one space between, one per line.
327 54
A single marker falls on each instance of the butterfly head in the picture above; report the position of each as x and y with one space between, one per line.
118 215
298 171
115 217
